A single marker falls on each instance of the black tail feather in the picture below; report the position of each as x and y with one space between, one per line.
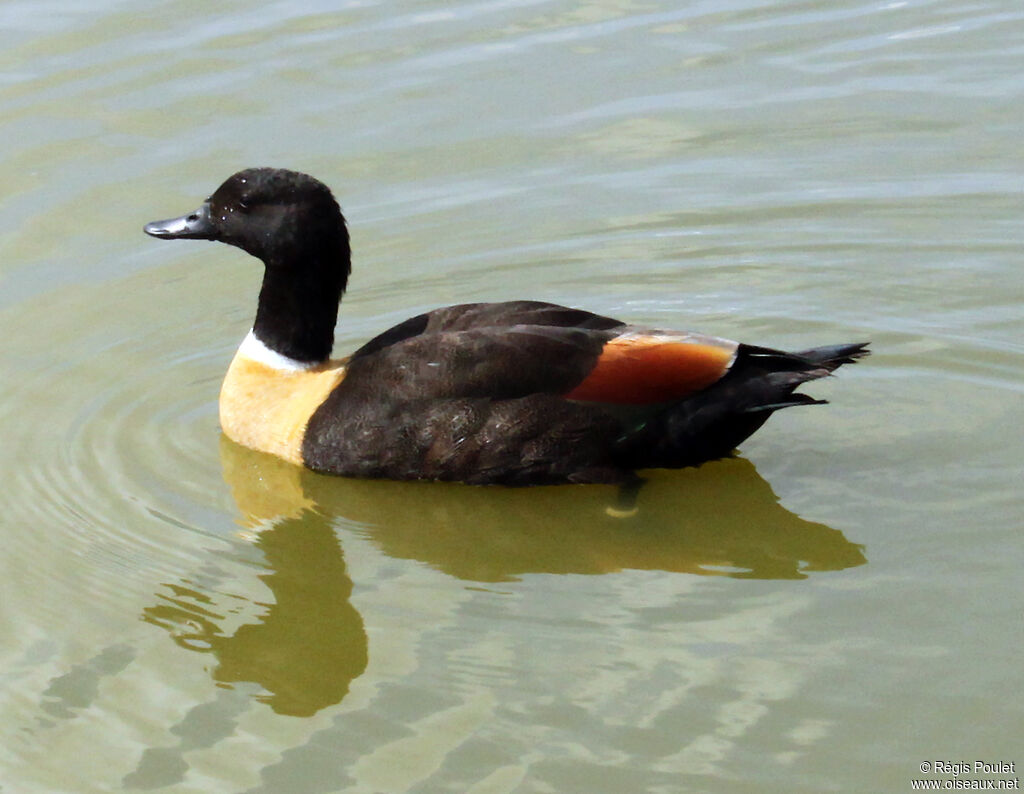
794 399
712 423
833 356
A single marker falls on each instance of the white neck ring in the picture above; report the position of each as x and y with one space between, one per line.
254 349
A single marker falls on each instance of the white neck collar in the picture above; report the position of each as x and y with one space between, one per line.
254 349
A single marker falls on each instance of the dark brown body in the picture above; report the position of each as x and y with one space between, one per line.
483 394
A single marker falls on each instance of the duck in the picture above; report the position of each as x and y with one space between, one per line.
520 392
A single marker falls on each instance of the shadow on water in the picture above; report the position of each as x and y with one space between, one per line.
309 644
719 519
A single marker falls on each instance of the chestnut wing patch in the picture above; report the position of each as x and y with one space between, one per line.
644 368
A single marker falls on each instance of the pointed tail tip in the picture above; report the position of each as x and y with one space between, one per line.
832 356
859 350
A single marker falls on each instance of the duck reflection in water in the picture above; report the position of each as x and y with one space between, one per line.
309 644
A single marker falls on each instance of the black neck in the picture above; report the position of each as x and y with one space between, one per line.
298 305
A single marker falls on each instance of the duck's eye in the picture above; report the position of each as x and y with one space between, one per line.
243 207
